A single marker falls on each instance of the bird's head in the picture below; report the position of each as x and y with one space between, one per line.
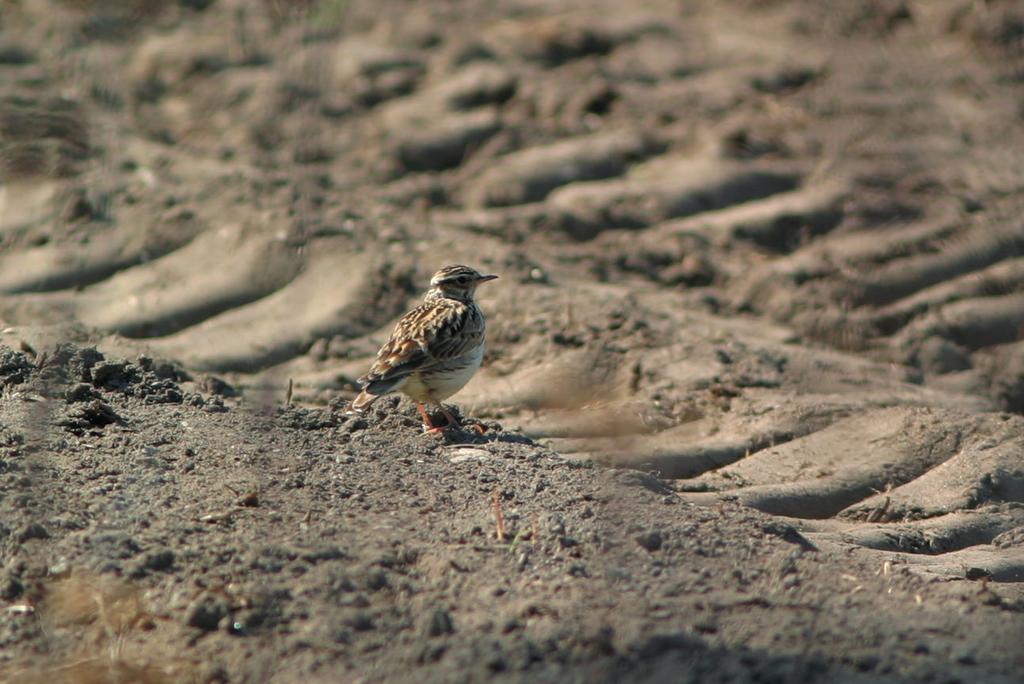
456 282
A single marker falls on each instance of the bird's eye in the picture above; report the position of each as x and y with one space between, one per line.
462 280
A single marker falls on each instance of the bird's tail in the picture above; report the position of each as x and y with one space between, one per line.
363 400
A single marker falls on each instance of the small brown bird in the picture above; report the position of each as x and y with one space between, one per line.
435 349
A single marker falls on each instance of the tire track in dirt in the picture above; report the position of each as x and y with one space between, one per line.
720 258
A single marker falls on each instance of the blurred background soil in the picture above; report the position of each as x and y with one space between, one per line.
754 385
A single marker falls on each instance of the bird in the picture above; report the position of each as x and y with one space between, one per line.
434 349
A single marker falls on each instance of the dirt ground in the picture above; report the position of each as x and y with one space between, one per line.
753 400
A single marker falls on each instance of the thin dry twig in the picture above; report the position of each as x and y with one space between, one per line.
499 519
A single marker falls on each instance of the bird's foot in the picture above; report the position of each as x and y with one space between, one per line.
432 429
428 425
451 424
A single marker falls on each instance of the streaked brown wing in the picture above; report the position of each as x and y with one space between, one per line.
396 359
451 344
426 335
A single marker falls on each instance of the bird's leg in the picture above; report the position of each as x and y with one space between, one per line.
452 423
434 429
426 418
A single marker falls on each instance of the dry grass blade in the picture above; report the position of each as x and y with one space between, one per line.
112 605
499 518
99 614
101 671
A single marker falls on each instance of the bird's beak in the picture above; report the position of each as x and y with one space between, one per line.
485 278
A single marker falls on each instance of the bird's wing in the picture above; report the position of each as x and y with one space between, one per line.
429 334
455 334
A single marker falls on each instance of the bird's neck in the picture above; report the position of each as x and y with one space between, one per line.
436 294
